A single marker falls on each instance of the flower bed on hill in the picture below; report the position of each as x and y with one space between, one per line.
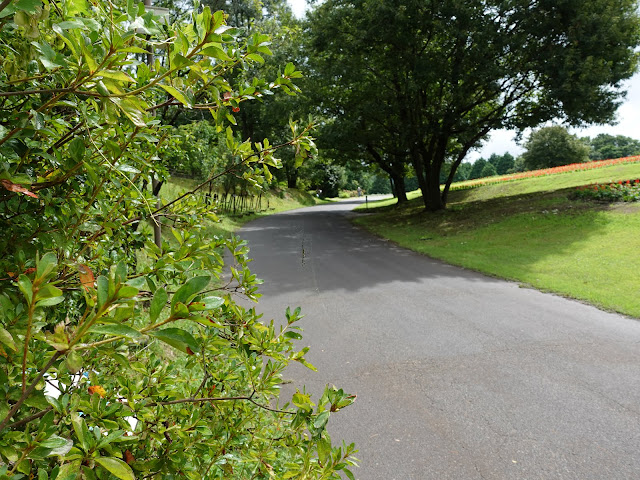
574 167
622 191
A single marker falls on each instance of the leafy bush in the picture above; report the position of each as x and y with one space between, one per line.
622 191
121 357
553 146
196 150
329 179
488 170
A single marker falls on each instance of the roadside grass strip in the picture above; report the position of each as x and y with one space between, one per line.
559 233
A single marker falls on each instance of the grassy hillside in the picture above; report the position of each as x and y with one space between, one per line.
530 231
273 201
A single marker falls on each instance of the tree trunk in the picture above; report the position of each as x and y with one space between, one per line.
432 198
400 191
428 180
292 180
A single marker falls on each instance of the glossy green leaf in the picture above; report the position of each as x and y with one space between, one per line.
115 330
177 94
7 339
158 302
132 109
116 75
103 290
127 291
68 471
76 7
215 52
74 361
324 449
29 6
48 291
193 286
46 264
49 302
256 58
212 302
81 431
321 420
26 287
58 445
116 467
70 24
177 338
77 149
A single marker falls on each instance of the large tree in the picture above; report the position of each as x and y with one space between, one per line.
357 126
552 147
606 146
453 71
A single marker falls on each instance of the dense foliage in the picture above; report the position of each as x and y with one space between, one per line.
121 357
604 146
553 146
621 191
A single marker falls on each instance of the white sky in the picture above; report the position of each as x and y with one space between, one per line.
501 141
298 7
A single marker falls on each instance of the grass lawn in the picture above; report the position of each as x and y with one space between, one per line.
529 231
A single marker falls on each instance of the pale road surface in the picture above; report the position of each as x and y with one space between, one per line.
458 375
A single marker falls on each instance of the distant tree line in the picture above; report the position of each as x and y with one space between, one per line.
545 148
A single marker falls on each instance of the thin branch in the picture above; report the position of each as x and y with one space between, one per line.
218 399
33 417
29 390
4 4
35 92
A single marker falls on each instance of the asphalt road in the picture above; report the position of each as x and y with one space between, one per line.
458 375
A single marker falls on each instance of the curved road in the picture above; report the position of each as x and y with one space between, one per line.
458 375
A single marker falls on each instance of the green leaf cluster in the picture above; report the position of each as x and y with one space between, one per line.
122 357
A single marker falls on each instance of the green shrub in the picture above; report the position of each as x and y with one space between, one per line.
622 191
121 356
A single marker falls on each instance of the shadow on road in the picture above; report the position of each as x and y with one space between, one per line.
319 249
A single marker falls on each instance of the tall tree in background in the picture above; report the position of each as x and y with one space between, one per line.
503 163
454 71
605 146
358 126
553 147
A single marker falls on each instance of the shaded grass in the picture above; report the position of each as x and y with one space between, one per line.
529 231
278 200
529 185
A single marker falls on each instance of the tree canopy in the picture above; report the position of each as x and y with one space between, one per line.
428 80
552 147
605 146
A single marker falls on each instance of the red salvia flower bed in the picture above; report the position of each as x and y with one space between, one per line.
574 167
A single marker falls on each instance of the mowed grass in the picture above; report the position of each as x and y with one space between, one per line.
529 231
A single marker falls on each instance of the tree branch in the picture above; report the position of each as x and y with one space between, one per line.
4 4
29 390
219 399
33 417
